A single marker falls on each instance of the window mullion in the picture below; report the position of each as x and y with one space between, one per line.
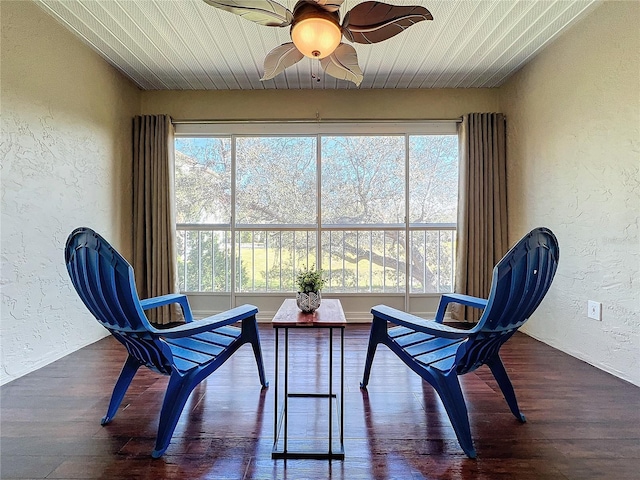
319 202
232 221
407 233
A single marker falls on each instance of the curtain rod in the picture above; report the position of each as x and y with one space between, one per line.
312 121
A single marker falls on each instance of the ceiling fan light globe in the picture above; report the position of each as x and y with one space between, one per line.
316 37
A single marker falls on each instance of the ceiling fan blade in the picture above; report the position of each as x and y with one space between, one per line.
263 12
343 64
280 58
373 22
330 5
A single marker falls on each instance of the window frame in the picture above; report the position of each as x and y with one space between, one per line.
239 129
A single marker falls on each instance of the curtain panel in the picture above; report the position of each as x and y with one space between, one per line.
154 251
482 208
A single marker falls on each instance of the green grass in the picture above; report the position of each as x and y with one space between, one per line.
259 258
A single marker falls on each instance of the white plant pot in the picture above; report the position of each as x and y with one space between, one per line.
308 302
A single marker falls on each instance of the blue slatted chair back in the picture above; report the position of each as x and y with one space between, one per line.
105 282
520 281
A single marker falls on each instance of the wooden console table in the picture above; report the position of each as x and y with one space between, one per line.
330 316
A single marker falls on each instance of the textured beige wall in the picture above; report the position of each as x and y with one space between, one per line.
66 162
326 104
574 155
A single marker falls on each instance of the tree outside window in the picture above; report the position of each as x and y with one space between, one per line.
366 183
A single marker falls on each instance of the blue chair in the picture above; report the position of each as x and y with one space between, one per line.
440 353
189 353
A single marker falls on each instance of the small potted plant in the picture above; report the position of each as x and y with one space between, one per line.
310 282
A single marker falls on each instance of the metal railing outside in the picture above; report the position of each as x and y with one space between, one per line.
355 259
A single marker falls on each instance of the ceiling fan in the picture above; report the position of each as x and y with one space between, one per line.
316 31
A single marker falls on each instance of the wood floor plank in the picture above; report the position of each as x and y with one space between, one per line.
582 423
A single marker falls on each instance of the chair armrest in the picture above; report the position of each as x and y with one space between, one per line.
210 323
467 300
179 298
405 319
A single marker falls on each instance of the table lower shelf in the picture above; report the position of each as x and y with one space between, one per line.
307 454
311 455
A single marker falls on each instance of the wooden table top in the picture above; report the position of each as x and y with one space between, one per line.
330 314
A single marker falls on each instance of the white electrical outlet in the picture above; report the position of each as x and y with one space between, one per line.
594 310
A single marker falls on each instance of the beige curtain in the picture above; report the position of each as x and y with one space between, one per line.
482 206
154 259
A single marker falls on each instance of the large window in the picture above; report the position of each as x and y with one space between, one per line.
376 212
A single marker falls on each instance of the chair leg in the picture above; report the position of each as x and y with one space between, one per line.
448 388
250 332
376 335
500 374
178 391
129 370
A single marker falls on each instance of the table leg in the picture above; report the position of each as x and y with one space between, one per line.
342 388
275 407
286 386
330 390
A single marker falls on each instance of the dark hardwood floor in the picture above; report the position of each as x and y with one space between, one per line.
582 423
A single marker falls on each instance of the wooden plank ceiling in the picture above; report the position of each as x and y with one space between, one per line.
189 45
